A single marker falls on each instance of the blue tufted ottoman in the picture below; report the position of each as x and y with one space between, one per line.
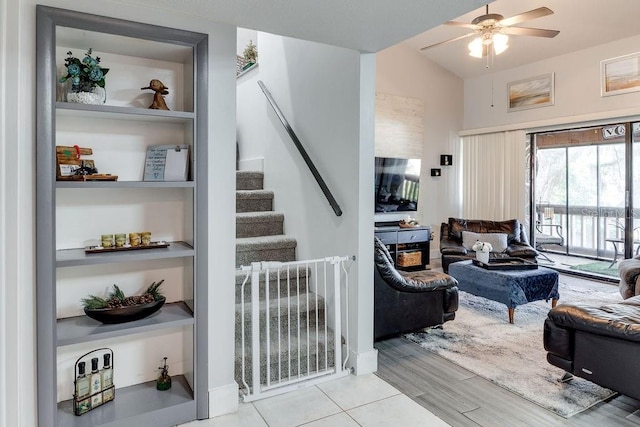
510 287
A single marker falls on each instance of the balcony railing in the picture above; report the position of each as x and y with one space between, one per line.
588 230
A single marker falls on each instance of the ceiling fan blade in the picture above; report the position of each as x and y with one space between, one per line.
536 32
526 16
449 41
462 24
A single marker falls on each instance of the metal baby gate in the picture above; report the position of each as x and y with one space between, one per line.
293 325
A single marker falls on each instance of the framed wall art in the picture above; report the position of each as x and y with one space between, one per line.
533 92
620 75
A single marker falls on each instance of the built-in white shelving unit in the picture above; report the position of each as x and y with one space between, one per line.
72 214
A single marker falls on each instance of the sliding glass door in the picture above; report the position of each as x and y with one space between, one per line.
580 190
634 191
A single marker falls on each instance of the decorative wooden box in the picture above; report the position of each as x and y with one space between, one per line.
409 259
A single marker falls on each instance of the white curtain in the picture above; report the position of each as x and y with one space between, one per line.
494 176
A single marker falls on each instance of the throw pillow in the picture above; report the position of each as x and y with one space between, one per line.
498 240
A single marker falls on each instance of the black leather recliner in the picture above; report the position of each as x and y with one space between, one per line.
600 344
408 301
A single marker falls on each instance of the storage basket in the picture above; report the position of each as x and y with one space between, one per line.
409 259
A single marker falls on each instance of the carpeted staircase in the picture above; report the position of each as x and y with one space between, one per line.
260 237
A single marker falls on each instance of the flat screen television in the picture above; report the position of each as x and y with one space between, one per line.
397 185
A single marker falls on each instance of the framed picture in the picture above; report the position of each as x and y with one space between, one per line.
533 92
620 75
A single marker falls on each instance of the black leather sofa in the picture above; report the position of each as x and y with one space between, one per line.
452 249
408 301
600 344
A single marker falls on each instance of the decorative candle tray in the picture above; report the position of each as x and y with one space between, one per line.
100 249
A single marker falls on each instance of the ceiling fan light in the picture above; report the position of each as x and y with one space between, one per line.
475 47
500 43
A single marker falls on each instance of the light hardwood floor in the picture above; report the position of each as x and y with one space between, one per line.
462 398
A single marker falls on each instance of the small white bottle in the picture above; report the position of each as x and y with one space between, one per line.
96 384
83 390
107 379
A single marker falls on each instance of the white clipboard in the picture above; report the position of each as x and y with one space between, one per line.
166 163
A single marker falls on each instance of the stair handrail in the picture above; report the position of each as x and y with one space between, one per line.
314 171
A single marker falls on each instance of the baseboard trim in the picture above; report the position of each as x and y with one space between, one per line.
223 400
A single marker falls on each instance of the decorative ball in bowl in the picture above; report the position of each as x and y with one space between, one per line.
125 314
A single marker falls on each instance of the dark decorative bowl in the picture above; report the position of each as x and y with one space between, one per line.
124 314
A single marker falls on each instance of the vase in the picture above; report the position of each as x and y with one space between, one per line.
482 257
97 96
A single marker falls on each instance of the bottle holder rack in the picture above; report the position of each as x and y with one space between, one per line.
86 403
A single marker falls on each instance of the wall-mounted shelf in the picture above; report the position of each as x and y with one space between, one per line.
77 257
124 184
79 329
111 112
135 405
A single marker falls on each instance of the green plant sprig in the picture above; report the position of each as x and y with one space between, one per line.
154 289
117 293
93 302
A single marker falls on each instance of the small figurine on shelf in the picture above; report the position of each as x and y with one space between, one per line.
158 100
164 380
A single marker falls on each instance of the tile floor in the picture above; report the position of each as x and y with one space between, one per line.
351 401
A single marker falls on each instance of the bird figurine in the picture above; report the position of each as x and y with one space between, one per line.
158 100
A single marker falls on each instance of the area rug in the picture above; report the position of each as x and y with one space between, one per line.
599 267
481 340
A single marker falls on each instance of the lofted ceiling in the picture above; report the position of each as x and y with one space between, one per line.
582 24
374 25
364 25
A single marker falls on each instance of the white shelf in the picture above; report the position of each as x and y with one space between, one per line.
81 329
77 257
137 405
125 184
111 112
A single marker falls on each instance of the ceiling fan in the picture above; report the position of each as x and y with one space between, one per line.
493 29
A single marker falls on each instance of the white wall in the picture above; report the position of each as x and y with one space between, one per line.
244 37
577 92
404 72
17 233
319 89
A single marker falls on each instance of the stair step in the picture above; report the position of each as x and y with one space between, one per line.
307 341
308 351
288 284
249 180
283 307
291 321
254 200
253 224
265 248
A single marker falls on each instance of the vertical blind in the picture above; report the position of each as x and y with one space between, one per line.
494 176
